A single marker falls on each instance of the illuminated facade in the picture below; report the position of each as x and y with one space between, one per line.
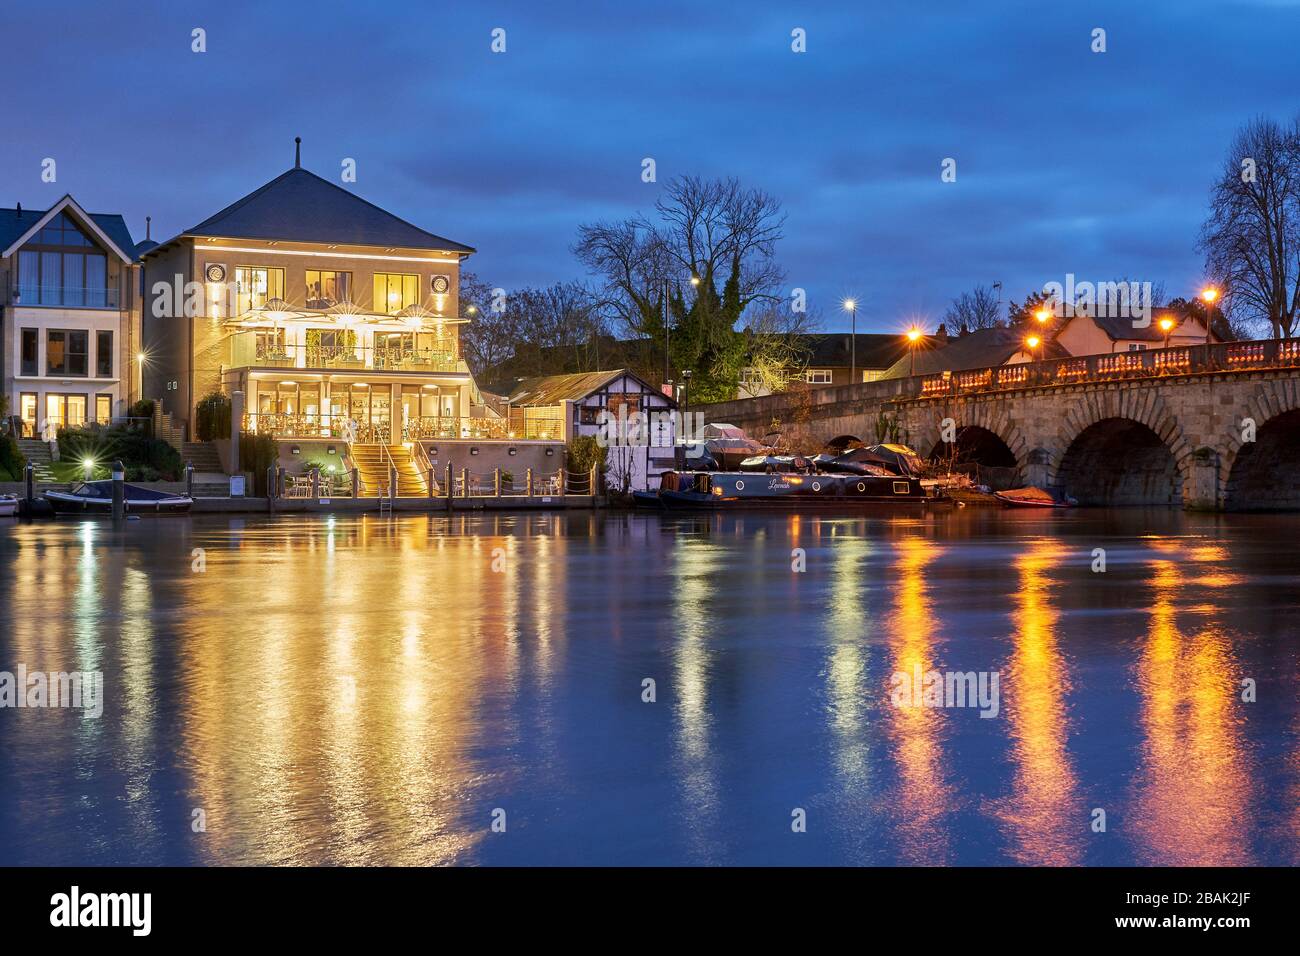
335 319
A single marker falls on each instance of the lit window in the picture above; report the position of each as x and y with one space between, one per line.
395 291
819 376
255 286
325 289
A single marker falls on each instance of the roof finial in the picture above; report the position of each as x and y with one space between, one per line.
297 152
148 221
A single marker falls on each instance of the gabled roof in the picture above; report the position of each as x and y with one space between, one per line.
984 348
299 206
1120 328
109 228
554 389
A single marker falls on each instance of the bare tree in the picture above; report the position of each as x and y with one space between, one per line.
978 309
1252 236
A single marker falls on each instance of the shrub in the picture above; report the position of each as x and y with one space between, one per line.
145 458
212 417
257 453
11 459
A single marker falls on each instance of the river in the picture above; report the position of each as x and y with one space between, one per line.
640 689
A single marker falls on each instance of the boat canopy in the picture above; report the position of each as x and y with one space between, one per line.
104 489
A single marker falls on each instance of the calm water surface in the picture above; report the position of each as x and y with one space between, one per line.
363 690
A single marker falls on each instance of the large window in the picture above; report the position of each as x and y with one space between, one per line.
394 292
104 354
66 353
255 286
325 289
61 266
30 345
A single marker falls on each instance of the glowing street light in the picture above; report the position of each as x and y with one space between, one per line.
1166 326
1043 315
851 306
88 468
1208 295
913 336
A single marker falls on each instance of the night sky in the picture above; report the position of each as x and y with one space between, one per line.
1067 160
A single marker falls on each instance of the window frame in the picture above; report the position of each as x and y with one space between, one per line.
99 353
68 353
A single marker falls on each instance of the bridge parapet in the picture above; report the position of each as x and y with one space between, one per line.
1074 419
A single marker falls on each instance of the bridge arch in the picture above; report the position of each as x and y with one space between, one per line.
1264 474
986 435
1121 446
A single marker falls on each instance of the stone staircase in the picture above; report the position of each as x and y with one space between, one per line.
38 453
372 469
210 480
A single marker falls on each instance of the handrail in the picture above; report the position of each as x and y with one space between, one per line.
1214 359
391 477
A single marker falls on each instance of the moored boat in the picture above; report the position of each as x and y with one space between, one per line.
1031 497
96 497
782 490
8 506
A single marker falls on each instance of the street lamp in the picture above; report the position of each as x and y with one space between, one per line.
1166 326
1043 315
1033 342
1208 295
851 306
686 391
913 336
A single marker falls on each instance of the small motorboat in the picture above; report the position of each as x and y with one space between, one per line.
96 497
8 506
1031 497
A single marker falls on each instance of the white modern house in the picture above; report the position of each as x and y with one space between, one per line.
69 309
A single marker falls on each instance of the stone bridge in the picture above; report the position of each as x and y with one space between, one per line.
1214 428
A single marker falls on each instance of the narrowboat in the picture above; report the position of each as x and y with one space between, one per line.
96 497
781 490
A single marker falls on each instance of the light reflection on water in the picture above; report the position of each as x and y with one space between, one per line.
355 690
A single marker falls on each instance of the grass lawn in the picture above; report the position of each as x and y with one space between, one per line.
75 471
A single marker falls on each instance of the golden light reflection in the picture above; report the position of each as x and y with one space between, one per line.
696 565
1192 803
1042 819
922 797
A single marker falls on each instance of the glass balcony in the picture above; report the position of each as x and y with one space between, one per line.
247 349
100 298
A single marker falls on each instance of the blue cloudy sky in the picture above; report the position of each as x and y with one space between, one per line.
1067 160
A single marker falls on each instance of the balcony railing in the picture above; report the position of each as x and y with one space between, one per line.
374 432
246 351
1146 363
102 298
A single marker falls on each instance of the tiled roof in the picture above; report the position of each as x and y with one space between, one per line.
984 348
299 206
554 389
874 350
13 224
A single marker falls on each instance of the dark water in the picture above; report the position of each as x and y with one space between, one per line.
363 690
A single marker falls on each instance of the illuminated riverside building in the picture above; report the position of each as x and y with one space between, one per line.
340 325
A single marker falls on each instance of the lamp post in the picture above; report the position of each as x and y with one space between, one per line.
686 392
913 336
1208 295
851 306
1166 326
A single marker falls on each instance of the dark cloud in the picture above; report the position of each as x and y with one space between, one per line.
1067 160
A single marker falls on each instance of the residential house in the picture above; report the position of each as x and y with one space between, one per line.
69 311
602 405
983 348
831 359
1096 335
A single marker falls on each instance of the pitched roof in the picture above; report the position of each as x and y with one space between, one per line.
13 224
874 350
299 206
983 348
554 389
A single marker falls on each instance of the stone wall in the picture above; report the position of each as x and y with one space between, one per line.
1193 429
